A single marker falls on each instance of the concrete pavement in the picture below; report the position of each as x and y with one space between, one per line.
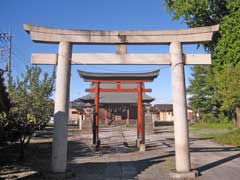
118 157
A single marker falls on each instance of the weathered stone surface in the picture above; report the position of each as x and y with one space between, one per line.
149 128
55 35
61 109
108 58
179 109
87 124
121 49
183 175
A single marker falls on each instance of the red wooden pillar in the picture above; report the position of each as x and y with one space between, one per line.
141 126
97 108
139 111
118 85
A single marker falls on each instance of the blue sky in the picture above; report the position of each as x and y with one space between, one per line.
90 14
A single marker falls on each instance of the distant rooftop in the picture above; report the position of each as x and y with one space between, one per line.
162 107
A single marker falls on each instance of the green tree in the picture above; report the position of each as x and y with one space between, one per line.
199 13
227 63
32 106
228 91
227 48
200 93
4 110
4 100
224 47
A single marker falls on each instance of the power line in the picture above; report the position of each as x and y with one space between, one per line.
16 69
18 49
19 58
16 54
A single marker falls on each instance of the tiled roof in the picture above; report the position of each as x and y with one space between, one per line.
162 107
76 104
118 76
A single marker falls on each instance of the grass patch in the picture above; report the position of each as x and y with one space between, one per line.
128 125
170 163
230 138
200 126
222 133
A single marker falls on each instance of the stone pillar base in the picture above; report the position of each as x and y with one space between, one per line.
138 143
183 175
87 125
142 147
148 124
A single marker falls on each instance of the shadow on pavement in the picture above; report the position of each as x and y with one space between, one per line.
115 170
163 123
214 149
217 163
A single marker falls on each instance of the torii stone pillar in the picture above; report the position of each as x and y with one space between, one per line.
179 108
59 147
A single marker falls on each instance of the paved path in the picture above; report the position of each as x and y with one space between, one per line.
118 157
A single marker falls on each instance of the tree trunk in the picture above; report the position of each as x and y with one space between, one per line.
238 117
21 149
28 139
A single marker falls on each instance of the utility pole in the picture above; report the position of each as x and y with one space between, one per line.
8 36
9 58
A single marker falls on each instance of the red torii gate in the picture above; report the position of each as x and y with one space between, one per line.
118 78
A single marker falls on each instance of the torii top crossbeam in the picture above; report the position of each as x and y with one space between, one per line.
121 39
55 35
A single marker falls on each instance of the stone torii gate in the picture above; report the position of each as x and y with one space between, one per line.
64 58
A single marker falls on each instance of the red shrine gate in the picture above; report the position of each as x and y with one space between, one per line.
118 79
